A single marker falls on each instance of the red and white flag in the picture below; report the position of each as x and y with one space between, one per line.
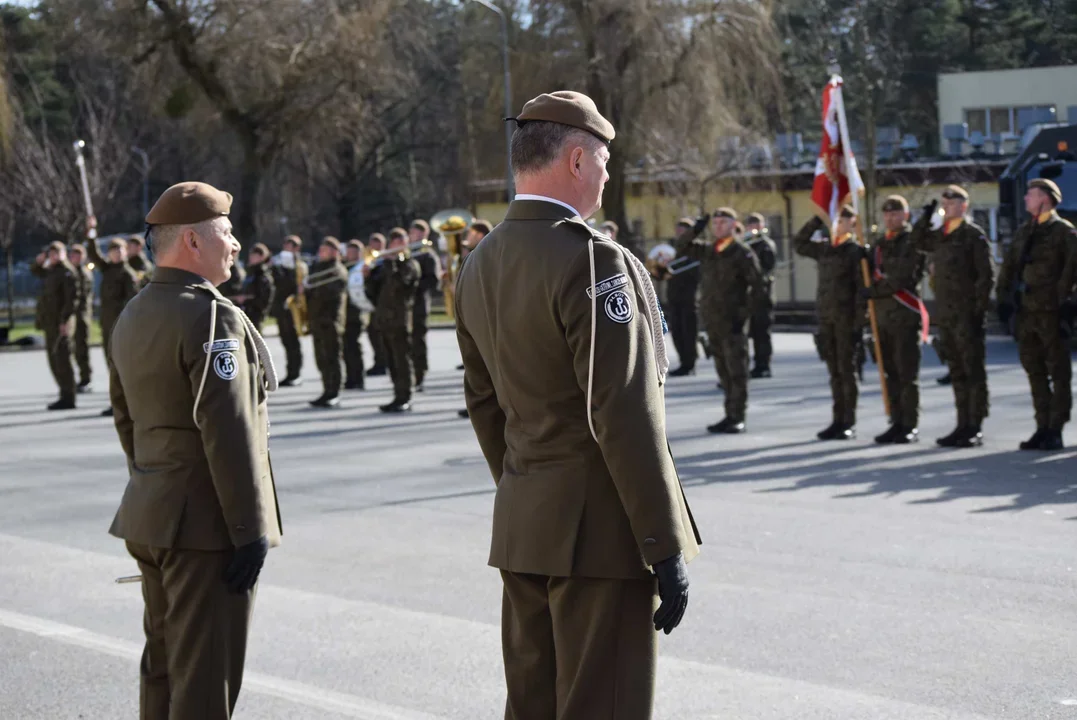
837 178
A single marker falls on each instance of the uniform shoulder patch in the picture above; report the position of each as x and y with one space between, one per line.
608 285
618 307
226 366
221 345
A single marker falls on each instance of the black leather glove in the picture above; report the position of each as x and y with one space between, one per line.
1005 312
247 560
701 224
673 590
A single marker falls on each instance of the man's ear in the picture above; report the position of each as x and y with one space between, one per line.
575 164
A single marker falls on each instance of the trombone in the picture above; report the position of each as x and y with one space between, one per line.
452 224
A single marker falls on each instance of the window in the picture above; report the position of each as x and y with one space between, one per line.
977 120
1003 120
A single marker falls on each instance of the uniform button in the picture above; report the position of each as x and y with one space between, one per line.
650 541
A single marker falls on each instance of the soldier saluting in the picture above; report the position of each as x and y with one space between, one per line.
56 316
567 403
964 274
1037 282
189 381
83 314
119 283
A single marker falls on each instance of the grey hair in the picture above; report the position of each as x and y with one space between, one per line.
536 144
165 237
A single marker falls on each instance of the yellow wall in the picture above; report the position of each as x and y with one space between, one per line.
659 213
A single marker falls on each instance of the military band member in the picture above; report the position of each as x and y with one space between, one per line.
289 270
567 404
136 258
258 290
391 287
681 302
429 278
119 283
732 287
83 314
354 374
189 380
1038 283
897 270
327 307
964 275
841 312
376 244
232 288
478 230
56 317
758 238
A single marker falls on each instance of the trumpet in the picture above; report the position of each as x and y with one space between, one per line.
377 258
452 224
320 278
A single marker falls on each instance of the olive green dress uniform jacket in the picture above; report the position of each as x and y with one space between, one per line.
83 293
192 420
119 283
566 505
258 292
143 269
59 296
391 286
327 304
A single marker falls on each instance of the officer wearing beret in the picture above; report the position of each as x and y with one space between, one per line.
119 283
567 403
897 270
327 307
758 238
964 275
189 380
83 314
56 316
1038 284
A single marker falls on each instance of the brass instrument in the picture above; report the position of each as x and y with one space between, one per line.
377 258
659 259
297 303
453 224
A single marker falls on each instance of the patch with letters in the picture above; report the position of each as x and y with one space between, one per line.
219 345
226 366
609 284
619 307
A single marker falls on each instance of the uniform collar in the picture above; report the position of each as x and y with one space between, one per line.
1047 217
950 225
843 239
891 234
721 245
176 276
539 207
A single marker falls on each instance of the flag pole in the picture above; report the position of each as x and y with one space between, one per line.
847 151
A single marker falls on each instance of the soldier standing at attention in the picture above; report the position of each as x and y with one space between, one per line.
430 276
83 314
327 307
289 271
354 374
897 270
136 258
681 289
376 244
258 286
964 275
391 286
732 288
189 381
119 283
56 316
567 404
841 313
758 239
232 288
1038 282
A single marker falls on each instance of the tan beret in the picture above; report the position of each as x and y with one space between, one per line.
687 222
331 242
376 237
188 203
57 246
756 218
726 212
482 226
77 247
848 211
353 243
116 243
398 232
1049 187
955 192
260 249
567 108
895 202
421 225
295 240
137 240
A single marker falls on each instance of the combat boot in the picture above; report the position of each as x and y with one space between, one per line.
1052 441
972 437
733 427
890 435
376 371
107 412
682 371
291 382
66 402
396 406
944 380
319 401
760 372
718 427
845 432
1036 441
830 432
951 439
906 436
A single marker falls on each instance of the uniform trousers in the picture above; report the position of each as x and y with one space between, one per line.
899 340
837 345
327 356
1045 356
377 342
108 321
759 330
684 328
289 337
964 345
418 343
731 361
82 348
61 361
398 359
196 634
578 648
353 351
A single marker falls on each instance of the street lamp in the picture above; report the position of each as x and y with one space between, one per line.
508 93
145 179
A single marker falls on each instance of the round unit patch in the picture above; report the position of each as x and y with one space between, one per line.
619 307
226 366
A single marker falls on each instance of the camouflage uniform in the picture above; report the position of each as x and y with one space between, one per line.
83 321
964 274
732 287
429 269
119 283
841 313
258 292
391 287
326 308
56 309
767 253
899 267
1038 279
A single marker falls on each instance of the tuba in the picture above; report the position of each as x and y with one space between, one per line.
453 225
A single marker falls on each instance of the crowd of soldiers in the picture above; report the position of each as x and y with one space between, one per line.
729 278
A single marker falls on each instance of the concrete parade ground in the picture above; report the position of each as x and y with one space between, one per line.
837 580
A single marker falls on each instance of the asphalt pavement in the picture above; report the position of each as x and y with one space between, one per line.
837 581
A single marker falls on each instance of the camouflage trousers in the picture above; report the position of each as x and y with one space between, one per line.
61 364
899 341
398 360
837 346
731 361
963 344
1045 355
289 337
327 356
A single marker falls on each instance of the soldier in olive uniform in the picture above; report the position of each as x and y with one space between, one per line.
964 275
766 251
567 404
136 258
897 270
327 300
376 244
83 314
189 380
681 302
232 288
56 316
258 287
732 289
354 374
119 283
391 287
289 270
841 312
429 278
1038 282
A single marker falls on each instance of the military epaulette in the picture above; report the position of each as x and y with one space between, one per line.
583 229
